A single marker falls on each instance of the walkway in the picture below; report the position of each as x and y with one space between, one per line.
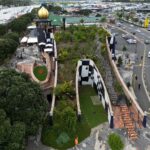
128 122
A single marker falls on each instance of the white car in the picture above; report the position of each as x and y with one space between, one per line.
138 30
124 27
149 54
123 35
131 41
118 24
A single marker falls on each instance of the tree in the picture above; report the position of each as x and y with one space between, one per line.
119 61
22 100
5 128
3 29
141 22
119 14
82 21
115 142
11 137
84 12
19 25
7 47
18 133
12 35
124 48
55 9
127 17
14 146
103 19
98 15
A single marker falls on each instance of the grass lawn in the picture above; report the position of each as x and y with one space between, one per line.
49 135
40 72
94 114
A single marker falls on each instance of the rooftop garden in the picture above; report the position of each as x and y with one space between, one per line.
75 43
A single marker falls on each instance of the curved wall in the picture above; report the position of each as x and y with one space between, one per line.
88 74
111 55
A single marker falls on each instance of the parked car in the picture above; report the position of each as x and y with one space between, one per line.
118 24
149 54
131 41
133 32
123 35
138 30
126 36
116 33
124 27
147 41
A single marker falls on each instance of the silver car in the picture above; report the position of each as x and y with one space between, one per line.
147 41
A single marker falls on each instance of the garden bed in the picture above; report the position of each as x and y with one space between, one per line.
40 72
75 43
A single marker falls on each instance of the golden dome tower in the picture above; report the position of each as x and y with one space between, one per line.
43 13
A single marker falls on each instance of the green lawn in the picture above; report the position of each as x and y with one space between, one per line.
40 72
94 114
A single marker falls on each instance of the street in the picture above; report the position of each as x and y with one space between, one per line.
141 71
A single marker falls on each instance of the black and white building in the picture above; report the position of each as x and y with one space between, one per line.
45 41
88 74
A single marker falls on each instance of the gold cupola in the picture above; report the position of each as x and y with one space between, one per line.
43 13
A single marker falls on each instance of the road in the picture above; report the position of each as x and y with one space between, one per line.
140 49
142 35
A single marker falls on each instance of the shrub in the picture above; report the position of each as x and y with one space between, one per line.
119 61
124 48
115 142
65 117
19 25
3 29
118 87
7 47
64 89
63 54
103 50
